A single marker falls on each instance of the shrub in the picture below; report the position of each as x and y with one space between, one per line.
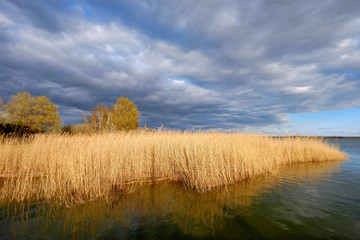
16 130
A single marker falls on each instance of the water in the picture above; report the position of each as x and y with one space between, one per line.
304 201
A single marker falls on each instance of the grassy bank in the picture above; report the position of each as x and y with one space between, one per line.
78 168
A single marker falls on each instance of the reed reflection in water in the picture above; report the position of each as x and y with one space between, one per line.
159 210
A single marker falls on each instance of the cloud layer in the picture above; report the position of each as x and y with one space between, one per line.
226 64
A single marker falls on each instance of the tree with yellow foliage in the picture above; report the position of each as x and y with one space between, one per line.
100 119
124 114
38 112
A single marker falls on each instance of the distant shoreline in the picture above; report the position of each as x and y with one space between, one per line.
358 137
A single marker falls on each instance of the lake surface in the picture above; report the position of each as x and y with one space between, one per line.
303 201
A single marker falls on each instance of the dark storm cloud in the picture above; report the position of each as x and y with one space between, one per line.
223 64
39 13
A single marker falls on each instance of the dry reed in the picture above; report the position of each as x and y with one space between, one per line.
79 168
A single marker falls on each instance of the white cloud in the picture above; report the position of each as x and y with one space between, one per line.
4 21
347 43
299 90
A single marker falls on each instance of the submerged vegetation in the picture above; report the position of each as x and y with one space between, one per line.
78 168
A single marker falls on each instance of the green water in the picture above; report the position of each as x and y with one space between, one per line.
304 201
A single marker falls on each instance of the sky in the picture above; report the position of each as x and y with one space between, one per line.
276 67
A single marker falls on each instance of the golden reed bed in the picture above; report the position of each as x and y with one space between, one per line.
79 168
